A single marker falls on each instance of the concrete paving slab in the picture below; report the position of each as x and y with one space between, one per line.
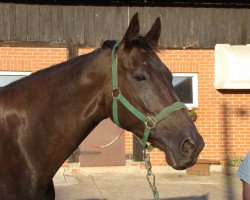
85 189
61 179
119 183
215 187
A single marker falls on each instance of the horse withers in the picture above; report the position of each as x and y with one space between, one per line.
45 116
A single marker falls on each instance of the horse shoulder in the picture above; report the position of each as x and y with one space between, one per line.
17 179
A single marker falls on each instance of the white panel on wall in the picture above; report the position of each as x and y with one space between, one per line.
232 66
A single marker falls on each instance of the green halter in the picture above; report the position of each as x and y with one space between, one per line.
149 122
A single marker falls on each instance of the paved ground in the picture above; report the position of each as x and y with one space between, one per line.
129 182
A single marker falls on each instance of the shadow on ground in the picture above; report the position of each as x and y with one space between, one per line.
203 197
91 199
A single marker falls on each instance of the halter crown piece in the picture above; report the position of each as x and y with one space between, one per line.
150 122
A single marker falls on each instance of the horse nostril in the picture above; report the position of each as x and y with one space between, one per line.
188 147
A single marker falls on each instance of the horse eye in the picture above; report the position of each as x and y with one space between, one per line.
139 77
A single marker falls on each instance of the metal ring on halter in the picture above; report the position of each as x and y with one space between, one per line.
116 89
149 122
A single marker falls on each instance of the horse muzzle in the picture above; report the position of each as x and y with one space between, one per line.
186 156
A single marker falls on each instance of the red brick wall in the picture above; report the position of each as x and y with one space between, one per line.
30 58
223 117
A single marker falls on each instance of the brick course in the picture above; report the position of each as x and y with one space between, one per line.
30 58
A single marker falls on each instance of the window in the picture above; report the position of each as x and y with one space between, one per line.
186 87
6 77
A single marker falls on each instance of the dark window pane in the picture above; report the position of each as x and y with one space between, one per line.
183 88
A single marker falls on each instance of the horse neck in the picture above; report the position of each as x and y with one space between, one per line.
71 102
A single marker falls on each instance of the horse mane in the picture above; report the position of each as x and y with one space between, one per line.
109 44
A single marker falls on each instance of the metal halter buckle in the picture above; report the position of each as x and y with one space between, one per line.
149 122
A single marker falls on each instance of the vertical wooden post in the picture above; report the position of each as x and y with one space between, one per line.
72 48
137 150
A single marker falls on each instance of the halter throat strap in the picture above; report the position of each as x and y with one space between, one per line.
149 122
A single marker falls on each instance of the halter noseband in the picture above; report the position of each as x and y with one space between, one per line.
149 122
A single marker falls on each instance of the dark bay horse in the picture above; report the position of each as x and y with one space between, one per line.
45 116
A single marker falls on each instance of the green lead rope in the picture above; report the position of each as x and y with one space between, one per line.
146 158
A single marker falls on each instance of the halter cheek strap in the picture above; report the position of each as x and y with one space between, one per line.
149 122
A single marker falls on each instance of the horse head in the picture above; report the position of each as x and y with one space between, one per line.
145 83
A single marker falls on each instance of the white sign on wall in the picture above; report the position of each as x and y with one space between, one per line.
232 66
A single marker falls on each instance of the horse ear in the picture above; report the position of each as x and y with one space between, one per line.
153 36
132 32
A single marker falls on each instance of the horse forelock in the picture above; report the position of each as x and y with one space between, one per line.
140 42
